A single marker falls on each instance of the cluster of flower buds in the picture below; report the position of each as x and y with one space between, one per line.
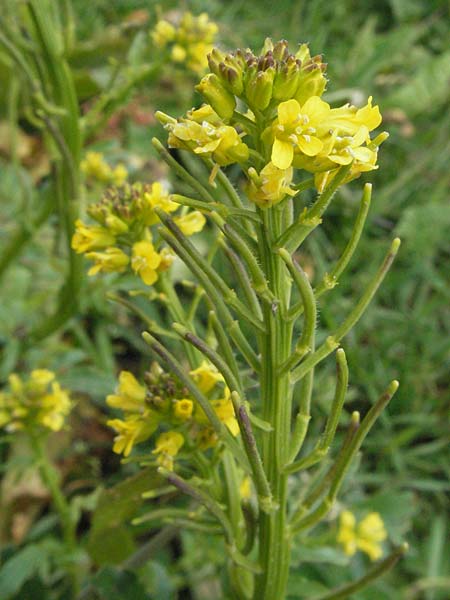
95 167
188 38
37 403
162 403
264 81
122 236
266 113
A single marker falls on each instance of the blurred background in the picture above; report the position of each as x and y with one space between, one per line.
396 50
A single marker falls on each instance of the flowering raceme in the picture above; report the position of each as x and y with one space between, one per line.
96 168
37 403
189 41
226 415
301 129
122 236
164 402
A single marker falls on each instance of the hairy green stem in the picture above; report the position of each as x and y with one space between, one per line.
276 392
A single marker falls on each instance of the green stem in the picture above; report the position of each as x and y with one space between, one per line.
302 523
258 278
332 341
237 398
51 479
213 507
331 279
181 171
323 445
25 233
208 273
178 313
276 392
377 571
311 218
216 299
306 342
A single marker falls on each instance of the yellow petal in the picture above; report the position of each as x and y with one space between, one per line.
316 108
148 275
282 154
309 145
288 112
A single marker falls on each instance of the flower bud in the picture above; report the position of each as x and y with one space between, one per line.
116 225
280 50
312 82
286 80
222 101
231 75
259 89
215 57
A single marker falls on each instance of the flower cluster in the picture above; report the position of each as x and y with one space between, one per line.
189 40
122 236
95 167
366 535
285 125
37 402
161 401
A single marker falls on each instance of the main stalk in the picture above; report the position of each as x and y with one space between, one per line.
276 392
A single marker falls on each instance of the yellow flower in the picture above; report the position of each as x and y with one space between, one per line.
163 33
348 119
132 430
119 174
112 260
116 225
366 536
145 260
270 186
191 39
221 142
296 128
346 149
158 197
90 237
206 438
167 258
225 411
206 376
178 53
38 401
130 394
168 445
40 379
365 159
191 223
183 409
55 406
95 166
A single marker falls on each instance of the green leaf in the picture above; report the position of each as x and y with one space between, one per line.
18 569
112 584
111 540
318 554
301 587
